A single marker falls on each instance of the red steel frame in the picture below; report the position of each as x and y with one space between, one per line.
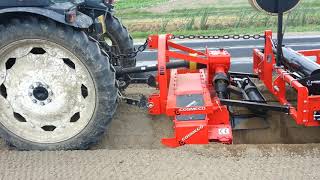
172 83
216 124
265 66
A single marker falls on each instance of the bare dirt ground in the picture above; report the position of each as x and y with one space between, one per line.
132 150
206 162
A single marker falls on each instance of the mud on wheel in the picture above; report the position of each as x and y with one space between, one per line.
121 41
57 88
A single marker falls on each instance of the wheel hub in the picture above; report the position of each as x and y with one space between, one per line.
59 103
40 93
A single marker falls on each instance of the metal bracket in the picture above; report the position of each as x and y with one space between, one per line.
141 103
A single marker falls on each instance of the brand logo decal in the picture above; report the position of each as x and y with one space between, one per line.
187 109
192 133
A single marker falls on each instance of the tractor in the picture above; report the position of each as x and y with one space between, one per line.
64 65
58 85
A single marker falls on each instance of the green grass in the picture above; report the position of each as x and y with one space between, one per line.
219 18
137 4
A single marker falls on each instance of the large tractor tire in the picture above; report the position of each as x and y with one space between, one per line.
58 90
122 42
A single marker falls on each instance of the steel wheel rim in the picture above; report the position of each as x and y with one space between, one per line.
47 93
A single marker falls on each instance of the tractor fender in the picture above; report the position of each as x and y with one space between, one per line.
83 21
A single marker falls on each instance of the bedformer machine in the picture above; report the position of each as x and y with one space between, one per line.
196 89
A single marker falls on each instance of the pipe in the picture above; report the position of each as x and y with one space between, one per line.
298 63
251 93
169 65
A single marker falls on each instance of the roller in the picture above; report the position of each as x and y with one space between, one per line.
298 63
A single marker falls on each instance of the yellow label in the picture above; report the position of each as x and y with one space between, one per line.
193 65
103 23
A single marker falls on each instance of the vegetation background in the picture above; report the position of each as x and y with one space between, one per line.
214 17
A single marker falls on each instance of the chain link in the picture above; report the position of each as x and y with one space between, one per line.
131 55
144 46
236 36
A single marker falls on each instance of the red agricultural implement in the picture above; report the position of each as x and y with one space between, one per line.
198 91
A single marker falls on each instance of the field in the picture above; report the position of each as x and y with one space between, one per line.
131 149
210 17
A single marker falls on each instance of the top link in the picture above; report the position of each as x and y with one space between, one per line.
236 36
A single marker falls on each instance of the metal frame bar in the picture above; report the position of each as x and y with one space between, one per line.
265 66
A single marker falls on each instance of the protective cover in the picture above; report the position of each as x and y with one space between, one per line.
24 3
274 6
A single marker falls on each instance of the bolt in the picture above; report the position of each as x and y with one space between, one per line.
30 94
122 83
32 125
42 103
150 105
2 76
34 101
305 111
50 93
305 120
53 53
49 100
38 84
305 101
31 87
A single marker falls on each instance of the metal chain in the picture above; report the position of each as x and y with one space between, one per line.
143 47
133 54
236 36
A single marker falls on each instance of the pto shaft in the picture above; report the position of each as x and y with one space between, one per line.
170 65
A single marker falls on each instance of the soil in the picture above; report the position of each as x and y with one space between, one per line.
131 149
189 162
133 128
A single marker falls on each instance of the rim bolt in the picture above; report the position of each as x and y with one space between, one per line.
32 125
34 101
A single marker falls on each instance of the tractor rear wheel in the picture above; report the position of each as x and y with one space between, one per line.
58 90
121 41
